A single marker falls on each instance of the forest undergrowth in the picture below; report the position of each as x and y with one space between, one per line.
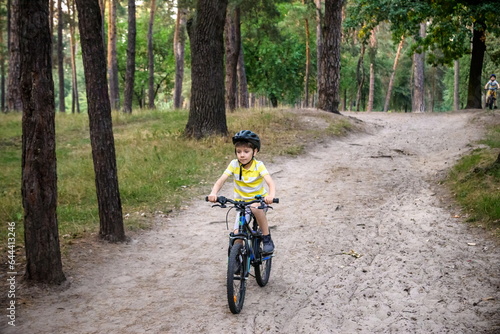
475 181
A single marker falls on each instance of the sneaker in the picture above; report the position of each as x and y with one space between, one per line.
268 244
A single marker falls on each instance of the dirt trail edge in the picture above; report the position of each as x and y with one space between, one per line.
364 245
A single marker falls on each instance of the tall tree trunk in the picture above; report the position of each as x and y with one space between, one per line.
329 78
14 101
233 43
418 101
456 86
344 101
360 76
243 98
114 92
179 46
130 73
51 17
102 7
371 88
319 41
60 56
75 105
372 53
151 63
391 80
39 167
476 67
207 114
432 92
2 68
308 63
101 128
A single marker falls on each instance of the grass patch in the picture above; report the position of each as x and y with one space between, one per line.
475 182
157 167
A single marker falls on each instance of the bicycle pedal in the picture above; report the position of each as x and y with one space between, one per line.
267 255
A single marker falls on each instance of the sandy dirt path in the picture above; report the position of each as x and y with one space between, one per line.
374 195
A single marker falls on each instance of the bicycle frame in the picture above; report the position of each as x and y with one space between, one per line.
248 235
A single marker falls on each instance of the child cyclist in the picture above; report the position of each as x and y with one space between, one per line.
249 176
491 87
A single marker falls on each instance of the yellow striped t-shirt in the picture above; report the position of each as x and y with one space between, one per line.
252 179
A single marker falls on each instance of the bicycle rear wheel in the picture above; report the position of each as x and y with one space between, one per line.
263 266
236 273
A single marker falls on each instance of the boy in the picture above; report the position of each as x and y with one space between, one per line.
492 87
249 176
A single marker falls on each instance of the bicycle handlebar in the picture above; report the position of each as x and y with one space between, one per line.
258 199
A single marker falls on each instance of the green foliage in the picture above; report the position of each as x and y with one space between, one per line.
164 63
275 58
364 16
448 23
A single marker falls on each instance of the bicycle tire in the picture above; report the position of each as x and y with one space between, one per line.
236 277
262 266
489 102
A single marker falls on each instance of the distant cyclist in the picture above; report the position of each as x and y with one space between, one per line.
491 87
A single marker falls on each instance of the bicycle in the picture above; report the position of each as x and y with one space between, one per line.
490 98
245 250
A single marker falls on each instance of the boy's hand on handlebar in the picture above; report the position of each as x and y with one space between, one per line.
212 198
269 199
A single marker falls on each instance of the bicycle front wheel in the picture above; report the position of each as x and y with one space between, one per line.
263 266
489 102
236 277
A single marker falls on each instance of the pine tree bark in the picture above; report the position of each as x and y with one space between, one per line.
102 7
60 56
360 76
393 73
39 174
75 105
207 114
179 46
308 63
476 67
14 100
2 70
372 52
151 63
130 73
243 97
418 100
233 43
101 129
329 78
319 40
114 92
456 86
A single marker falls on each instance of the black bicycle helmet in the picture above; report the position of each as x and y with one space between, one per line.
247 136
493 75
